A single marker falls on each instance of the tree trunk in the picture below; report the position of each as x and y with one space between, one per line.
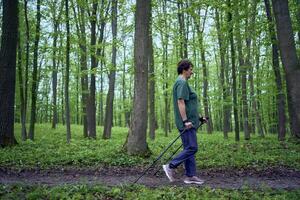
182 31
108 120
298 18
151 84
101 109
204 70
8 71
165 75
249 38
91 106
233 73
290 61
67 102
136 141
34 73
243 70
256 106
21 87
280 97
226 107
54 77
80 25
56 20
77 96
24 134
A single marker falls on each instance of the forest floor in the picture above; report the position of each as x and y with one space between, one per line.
275 178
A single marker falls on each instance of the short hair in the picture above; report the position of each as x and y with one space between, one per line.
184 64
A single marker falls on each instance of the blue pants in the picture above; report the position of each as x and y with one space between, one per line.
190 147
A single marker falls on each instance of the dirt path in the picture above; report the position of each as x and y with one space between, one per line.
276 178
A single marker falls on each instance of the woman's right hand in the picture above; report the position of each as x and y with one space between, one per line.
188 125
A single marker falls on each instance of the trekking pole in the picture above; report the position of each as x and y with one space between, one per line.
159 157
174 153
154 162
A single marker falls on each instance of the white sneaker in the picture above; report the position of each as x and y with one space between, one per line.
169 172
193 179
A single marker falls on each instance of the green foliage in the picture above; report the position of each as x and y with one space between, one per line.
50 150
137 192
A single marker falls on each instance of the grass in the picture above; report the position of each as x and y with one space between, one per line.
50 150
138 192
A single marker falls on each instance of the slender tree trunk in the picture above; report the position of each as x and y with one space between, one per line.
77 96
83 65
182 31
54 77
243 70
233 73
280 97
248 61
21 87
165 74
256 106
289 60
91 106
151 85
67 103
100 53
136 142
165 88
34 73
8 71
108 120
62 83
56 20
26 60
204 70
225 96
101 109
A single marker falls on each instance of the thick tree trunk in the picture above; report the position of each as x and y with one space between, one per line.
136 142
289 60
280 97
233 74
108 120
35 72
8 71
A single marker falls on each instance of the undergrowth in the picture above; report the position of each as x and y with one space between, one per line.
50 150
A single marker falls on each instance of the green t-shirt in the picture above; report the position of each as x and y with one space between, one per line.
182 90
